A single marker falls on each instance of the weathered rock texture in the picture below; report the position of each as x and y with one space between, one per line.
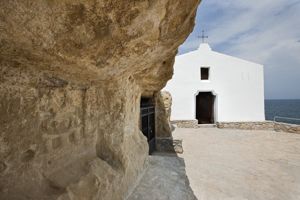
163 103
164 140
168 145
71 77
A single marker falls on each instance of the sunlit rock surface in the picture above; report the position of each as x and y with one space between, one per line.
163 102
71 77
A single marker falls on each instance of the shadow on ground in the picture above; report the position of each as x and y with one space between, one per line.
164 179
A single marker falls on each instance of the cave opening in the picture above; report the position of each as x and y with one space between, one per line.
147 124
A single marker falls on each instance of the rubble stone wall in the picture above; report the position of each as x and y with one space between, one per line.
186 123
288 128
266 125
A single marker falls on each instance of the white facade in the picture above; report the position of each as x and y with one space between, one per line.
238 86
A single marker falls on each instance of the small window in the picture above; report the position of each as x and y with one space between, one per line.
204 73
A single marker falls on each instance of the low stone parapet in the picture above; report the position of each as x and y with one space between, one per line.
185 123
288 128
264 125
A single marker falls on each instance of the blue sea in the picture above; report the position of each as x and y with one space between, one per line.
283 108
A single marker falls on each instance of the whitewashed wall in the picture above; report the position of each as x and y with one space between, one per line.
237 84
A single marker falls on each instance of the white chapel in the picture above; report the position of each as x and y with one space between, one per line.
212 87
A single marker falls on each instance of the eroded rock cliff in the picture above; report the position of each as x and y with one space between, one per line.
72 73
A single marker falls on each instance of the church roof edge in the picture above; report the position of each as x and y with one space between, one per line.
204 47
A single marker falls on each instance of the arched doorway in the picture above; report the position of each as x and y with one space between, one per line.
205 104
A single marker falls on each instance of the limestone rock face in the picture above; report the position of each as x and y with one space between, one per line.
72 73
163 113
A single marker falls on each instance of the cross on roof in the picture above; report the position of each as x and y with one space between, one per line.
203 36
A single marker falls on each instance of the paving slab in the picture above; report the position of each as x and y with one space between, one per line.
224 164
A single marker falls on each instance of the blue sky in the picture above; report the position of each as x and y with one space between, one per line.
263 31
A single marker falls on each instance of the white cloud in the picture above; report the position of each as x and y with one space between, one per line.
257 30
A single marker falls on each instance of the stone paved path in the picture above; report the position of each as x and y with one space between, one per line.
238 165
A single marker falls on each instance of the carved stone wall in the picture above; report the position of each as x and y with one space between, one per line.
66 139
